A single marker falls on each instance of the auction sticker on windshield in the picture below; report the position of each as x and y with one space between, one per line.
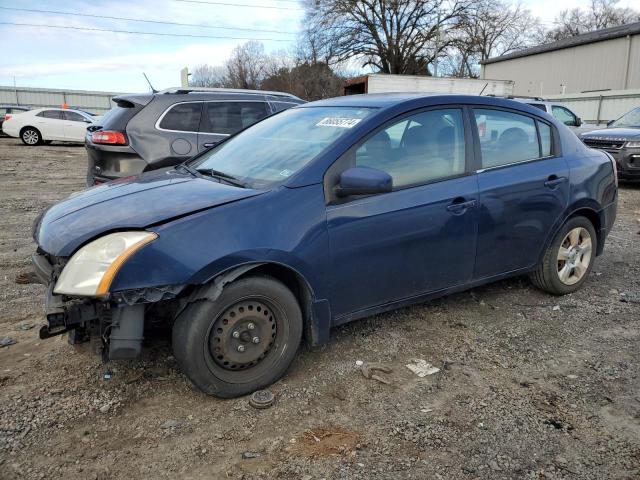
338 122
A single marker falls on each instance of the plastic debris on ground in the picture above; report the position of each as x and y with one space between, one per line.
422 368
6 341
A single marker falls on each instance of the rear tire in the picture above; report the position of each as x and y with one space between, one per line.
568 260
243 341
31 136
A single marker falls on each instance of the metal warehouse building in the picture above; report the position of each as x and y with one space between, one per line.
606 59
96 102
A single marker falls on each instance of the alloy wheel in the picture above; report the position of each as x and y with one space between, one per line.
30 137
574 256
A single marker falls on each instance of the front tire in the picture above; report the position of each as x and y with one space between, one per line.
31 136
568 260
243 341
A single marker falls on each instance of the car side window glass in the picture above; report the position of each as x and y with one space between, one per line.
564 115
545 139
418 149
53 114
73 116
184 117
230 117
505 137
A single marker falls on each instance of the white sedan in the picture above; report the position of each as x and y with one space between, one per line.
42 125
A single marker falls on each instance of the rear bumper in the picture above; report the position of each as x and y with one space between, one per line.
109 162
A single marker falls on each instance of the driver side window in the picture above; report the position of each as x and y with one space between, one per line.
418 149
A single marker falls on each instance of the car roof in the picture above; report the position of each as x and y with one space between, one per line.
389 100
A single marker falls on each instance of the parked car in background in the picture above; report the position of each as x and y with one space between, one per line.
9 110
325 213
560 112
44 125
151 131
621 139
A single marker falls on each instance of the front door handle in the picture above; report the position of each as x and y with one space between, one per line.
553 181
459 205
208 145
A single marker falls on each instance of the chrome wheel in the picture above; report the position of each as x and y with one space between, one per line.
30 137
574 256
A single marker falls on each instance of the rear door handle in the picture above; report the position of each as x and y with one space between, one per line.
460 205
553 181
208 145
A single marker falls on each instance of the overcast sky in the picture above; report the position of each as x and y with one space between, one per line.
102 60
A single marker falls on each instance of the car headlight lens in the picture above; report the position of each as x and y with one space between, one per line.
635 144
91 269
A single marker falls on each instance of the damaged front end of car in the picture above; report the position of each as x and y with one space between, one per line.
78 300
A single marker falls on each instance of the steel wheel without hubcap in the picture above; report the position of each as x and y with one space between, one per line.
242 341
30 137
243 335
574 256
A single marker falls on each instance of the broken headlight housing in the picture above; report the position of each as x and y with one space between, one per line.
92 268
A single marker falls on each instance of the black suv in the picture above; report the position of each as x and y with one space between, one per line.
150 131
621 139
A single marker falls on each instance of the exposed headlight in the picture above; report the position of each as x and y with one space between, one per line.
92 268
635 144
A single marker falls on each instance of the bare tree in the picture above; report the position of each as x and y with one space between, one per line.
487 29
600 14
392 36
209 76
246 67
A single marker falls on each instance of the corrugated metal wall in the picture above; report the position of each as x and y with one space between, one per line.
97 102
595 66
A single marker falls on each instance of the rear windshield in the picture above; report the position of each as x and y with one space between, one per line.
272 150
118 117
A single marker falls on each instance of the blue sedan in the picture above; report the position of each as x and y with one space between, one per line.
322 214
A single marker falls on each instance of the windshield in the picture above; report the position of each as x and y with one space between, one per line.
272 150
629 119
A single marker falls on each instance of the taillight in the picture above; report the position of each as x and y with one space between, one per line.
109 137
7 117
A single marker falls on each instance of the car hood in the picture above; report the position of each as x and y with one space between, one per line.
130 203
613 134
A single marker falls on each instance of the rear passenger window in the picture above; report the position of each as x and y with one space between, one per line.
545 139
418 149
183 117
506 137
230 117
55 114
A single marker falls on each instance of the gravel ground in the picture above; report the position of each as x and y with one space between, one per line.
530 386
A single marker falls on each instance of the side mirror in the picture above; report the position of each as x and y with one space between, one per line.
578 122
363 181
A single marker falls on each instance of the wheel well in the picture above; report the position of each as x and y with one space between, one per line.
28 126
594 218
294 282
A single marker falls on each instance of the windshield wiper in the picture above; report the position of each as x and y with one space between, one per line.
225 177
189 169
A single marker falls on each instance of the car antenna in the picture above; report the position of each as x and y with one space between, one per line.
485 86
153 90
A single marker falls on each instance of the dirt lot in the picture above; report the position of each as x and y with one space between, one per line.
530 386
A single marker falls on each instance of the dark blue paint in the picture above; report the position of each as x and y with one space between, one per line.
359 257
